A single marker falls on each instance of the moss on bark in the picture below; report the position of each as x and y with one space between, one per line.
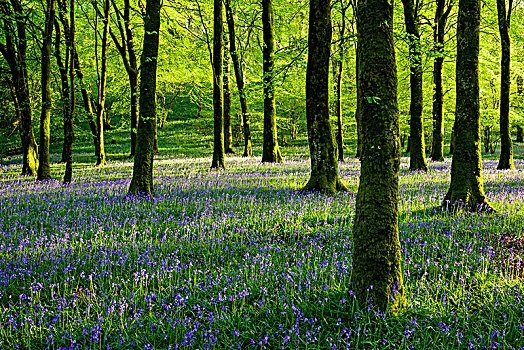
377 275
466 189
324 165
142 182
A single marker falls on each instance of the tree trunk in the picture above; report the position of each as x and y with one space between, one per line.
228 132
101 156
520 134
218 88
358 112
69 134
239 75
377 273
506 147
466 188
324 165
16 57
64 79
337 76
417 145
44 169
142 182
88 103
441 16
127 51
271 152
452 142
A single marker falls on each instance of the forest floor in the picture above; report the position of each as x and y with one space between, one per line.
239 258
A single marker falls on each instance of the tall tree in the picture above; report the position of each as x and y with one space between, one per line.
377 272
228 132
69 134
338 65
324 165
15 53
466 188
218 88
271 152
506 146
142 182
44 169
358 111
86 96
126 48
439 31
100 111
417 145
239 75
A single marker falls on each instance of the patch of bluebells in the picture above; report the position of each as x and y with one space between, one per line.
239 258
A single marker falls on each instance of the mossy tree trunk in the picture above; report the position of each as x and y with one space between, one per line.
69 134
142 182
44 168
15 53
228 132
439 31
417 144
358 112
239 77
271 152
64 78
218 88
506 146
324 165
466 188
377 273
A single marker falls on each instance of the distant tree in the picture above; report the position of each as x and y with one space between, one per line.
142 182
322 148
69 133
377 273
239 75
271 152
15 53
439 31
417 145
506 146
44 169
101 103
228 132
218 88
466 188
338 65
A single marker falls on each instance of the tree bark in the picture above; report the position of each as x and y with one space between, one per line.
417 145
142 182
218 88
69 134
64 79
239 75
466 189
439 30
506 146
358 112
271 152
520 134
377 273
324 165
44 169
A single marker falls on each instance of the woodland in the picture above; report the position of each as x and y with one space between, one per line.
275 174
